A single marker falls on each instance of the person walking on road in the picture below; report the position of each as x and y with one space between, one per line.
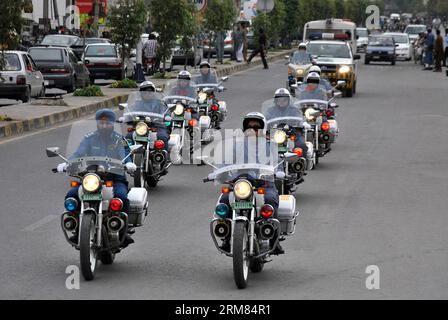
261 49
446 48
429 49
439 55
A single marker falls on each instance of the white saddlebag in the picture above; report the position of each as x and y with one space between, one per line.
286 214
138 203
333 126
174 142
223 109
204 122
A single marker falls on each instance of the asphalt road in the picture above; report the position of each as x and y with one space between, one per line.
379 198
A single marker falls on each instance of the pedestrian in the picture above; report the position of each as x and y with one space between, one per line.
245 43
261 49
238 43
150 53
439 55
446 48
429 50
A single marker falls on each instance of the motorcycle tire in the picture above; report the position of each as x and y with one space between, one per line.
139 179
88 255
256 265
240 260
107 257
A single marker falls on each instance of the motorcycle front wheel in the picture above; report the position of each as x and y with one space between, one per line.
87 252
240 255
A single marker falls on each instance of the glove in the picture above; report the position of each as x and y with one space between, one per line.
62 167
131 167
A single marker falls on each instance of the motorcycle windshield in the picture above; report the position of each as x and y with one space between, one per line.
144 104
206 77
282 111
311 92
180 90
96 146
242 156
301 58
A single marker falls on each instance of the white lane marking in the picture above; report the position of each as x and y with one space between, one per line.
41 222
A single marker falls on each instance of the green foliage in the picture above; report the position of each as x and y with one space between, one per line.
127 19
125 83
219 15
89 91
10 26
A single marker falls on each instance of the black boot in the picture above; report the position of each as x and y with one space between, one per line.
127 240
278 250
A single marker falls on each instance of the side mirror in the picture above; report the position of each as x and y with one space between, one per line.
224 79
287 57
357 57
52 152
294 86
122 106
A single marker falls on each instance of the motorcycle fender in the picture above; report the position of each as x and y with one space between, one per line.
174 142
310 150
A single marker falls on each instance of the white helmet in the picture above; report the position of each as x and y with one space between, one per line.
184 74
315 69
302 45
255 116
282 92
147 86
313 77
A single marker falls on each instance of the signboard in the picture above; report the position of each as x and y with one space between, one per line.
200 5
265 5
87 12
248 10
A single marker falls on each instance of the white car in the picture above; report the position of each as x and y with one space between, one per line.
413 30
404 46
20 79
362 39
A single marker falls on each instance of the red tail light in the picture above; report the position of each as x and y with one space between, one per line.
298 152
116 204
21 80
58 70
159 144
330 113
215 107
193 122
325 126
267 211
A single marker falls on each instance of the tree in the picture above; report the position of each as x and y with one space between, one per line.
219 17
127 20
169 18
10 26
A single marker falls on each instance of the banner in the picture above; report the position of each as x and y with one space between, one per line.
87 12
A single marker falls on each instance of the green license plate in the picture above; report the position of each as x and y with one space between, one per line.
242 205
141 139
92 197
282 149
178 118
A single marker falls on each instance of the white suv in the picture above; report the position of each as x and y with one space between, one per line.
20 79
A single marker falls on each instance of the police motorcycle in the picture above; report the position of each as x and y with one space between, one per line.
289 130
94 221
298 66
249 228
189 128
145 117
208 84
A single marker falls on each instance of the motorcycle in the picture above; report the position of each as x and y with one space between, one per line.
97 220
190 129
298 67
284 131
208 103
247 223
152 160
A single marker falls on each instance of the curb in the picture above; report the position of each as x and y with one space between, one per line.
21 126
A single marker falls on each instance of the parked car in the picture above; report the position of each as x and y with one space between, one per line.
178 56
20 78
362 39
404 49
228 46
104 62
61 68
60 40
79 46
381 48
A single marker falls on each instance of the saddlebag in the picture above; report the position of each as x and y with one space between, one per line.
287 214
223 110
138 203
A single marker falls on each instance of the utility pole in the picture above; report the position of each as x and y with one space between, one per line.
45 9
96 11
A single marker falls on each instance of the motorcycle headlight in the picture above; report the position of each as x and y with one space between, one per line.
300 72
202 97
280 137
179 110
91 183
141 129
242 189
308 113
344 69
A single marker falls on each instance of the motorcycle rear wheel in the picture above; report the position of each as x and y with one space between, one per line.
240 259
87 252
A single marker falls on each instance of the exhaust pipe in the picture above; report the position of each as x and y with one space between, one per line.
115 224
69 223
222 230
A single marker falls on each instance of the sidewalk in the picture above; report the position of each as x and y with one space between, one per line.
44 113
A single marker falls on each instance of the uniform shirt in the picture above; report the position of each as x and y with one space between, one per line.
209 78
307 92
290 111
